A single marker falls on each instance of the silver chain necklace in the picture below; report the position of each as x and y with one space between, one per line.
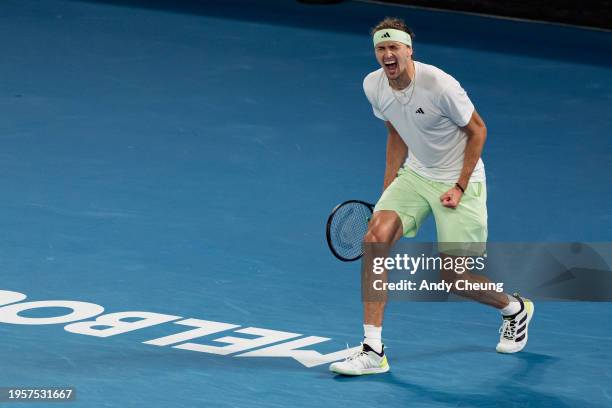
412 83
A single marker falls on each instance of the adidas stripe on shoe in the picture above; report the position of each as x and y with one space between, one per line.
364 361
514 329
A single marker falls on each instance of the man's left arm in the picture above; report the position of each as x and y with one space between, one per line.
476 132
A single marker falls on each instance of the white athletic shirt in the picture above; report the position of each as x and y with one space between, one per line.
428 115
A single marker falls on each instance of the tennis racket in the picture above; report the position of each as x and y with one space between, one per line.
346 226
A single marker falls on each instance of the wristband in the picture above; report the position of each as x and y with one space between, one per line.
460 188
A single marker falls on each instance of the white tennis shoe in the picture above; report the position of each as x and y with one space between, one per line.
513 332
364 361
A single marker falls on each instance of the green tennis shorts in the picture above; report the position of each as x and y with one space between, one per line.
413 198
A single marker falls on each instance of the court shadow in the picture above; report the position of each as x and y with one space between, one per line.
516 388
453 350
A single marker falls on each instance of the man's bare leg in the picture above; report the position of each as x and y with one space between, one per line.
498 300
384 228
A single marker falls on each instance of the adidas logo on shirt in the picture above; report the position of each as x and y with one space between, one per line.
420 110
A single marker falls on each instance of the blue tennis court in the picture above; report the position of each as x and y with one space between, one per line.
181 158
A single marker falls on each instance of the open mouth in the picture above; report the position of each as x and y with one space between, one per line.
391 66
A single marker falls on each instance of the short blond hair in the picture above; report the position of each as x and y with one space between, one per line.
395 23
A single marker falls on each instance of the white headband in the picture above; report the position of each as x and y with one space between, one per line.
391 34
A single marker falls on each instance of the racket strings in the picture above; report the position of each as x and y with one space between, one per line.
349 226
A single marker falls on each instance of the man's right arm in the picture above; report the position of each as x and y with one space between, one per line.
396 154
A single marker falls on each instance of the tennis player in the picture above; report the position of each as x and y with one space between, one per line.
433 165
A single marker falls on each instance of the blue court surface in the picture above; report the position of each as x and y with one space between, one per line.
181 158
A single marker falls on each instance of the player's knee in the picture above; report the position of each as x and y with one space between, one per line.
372 237
384 228
379 235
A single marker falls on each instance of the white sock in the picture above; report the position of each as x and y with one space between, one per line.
373 337
513 306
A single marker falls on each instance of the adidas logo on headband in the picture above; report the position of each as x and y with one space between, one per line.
392 34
